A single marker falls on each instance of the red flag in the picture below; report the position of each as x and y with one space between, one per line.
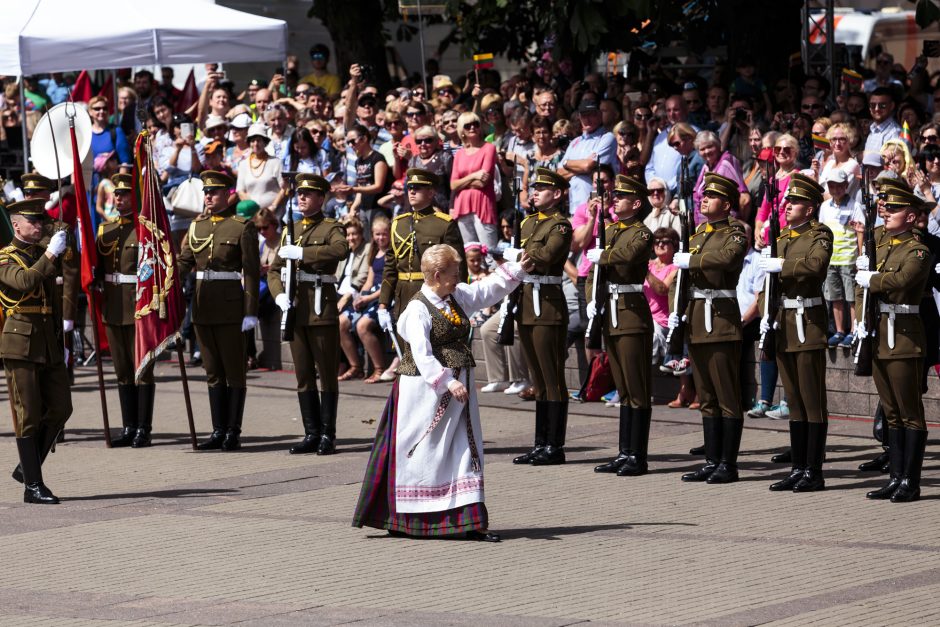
89 259
81 92
160 305
107 91
189 96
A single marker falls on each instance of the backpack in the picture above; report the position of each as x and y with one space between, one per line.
599 381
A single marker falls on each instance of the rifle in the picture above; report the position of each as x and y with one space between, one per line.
507 312
289 317
767 344
595 326
675 340
864 348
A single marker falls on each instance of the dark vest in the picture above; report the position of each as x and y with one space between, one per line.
450 343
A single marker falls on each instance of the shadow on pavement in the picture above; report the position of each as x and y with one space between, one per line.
555 533
158 494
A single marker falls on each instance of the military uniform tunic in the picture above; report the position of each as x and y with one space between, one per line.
31 344
412 233
626 261
903 265
315 347
227 243
717 257
806 250
117 254
546 238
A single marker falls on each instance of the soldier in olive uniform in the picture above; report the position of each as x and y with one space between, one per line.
31 345
317 246
804 249
413 232
542 316
628 323
715 259
222 247
117 254
903 266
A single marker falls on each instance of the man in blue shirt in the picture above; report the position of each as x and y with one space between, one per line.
579 161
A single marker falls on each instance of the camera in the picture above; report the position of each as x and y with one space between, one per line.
740 115
366 72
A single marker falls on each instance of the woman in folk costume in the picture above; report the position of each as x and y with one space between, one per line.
425 474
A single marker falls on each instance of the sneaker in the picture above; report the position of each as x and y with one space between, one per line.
779 412
836 339
609 396
682 366
847 341
516 386
613 401
759 410
669 367
495 386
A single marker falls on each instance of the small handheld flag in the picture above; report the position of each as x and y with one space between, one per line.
851 78
820 142
906 134
483 61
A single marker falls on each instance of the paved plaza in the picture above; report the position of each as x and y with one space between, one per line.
166 536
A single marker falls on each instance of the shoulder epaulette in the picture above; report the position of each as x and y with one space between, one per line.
239 218
399 217
201 217
526 219
443 216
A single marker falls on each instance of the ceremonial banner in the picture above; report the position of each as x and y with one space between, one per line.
160 305
81 91
189 96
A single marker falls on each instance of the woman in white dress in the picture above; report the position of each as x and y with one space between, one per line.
425 474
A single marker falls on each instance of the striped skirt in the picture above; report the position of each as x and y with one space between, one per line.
376 506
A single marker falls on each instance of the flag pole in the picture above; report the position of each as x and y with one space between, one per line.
189 402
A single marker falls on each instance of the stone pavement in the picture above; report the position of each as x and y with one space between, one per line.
166 536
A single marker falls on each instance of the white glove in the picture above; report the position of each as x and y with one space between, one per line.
681 260
770 264
66 355
249 322
57 243
861 263
674 320
591 309
594 254
385 320
937 268
860 331
863 277
766 325
282 300
765 251
288 251
511 254
68 325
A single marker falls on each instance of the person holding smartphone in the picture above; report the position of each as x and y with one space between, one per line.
183 158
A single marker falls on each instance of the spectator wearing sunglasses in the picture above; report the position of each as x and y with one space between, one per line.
785 152
433 158
884 63
319 76
106 137
883 127
841 139
472 184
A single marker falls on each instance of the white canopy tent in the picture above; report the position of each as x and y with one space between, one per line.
42 36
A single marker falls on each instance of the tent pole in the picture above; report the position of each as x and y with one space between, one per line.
424 74
26 168
114 95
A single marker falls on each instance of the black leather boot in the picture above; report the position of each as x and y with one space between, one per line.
236 411
541 433
639 441
310 415
727 470
697 450
218 408
875 465
329 402
35 491
554 452
896 461
881 462
915 442
145 396
45 442
785 457
626 422
798 454
127 395
711 429
812 480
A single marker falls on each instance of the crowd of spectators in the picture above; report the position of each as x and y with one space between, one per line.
483 139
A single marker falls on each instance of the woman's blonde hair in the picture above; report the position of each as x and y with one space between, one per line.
681 130
789 140
465 117
894 147
851 135
438 258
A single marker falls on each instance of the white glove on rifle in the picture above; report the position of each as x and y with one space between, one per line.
860 331
862 262
863 277
591 309
68 325
288 251
937 268
681 260
249 322
511 254
674 320
57 244
770 264
282 300
766 326
385 320
594 255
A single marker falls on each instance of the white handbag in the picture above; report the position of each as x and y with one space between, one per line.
188 200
